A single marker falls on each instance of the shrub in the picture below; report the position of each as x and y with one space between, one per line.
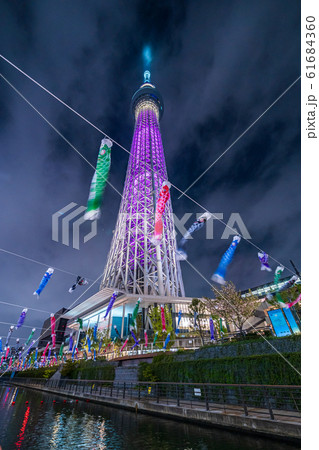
42 372
259 369
88 370
67 368
146 372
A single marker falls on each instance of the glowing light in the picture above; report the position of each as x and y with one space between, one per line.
147 76
147 56
145 105
7 392
22 430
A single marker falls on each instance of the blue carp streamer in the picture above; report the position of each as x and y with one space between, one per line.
111 303
212 329
95 332
178 321
71 343
167 340
46 277
89 343
219 275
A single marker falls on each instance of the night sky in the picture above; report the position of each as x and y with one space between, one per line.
218 65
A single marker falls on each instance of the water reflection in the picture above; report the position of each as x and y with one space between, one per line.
82 425
22 430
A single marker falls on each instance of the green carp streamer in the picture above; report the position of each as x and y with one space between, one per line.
93 210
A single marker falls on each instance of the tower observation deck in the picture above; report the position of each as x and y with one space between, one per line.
134 265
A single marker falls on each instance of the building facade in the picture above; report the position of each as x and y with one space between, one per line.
60 328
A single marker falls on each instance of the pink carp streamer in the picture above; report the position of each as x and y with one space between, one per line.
53 330
289 305
163 319
145 338
7 353
124 345
160 207
45 350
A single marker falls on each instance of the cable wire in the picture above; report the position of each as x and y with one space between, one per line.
123 148
39 262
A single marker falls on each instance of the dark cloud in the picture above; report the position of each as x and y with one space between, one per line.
218 65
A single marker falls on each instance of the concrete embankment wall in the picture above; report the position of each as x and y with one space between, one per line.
260 426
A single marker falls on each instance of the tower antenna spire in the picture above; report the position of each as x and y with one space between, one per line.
147 76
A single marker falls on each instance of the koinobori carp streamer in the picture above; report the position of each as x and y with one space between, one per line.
219 275
99 180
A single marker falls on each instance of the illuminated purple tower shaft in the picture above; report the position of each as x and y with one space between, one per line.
134 265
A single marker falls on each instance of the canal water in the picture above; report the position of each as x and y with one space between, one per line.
45 421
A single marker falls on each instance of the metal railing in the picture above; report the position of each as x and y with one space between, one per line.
263 401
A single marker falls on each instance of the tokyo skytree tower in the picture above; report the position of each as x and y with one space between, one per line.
134 265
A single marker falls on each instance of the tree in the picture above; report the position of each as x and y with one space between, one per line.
231 306
155 316
290 295
95 344
198 313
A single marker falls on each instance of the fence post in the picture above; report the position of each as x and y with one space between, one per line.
271 413
206 398
139 392
177 391
157 393
124 390
243 401
294 401
224 401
